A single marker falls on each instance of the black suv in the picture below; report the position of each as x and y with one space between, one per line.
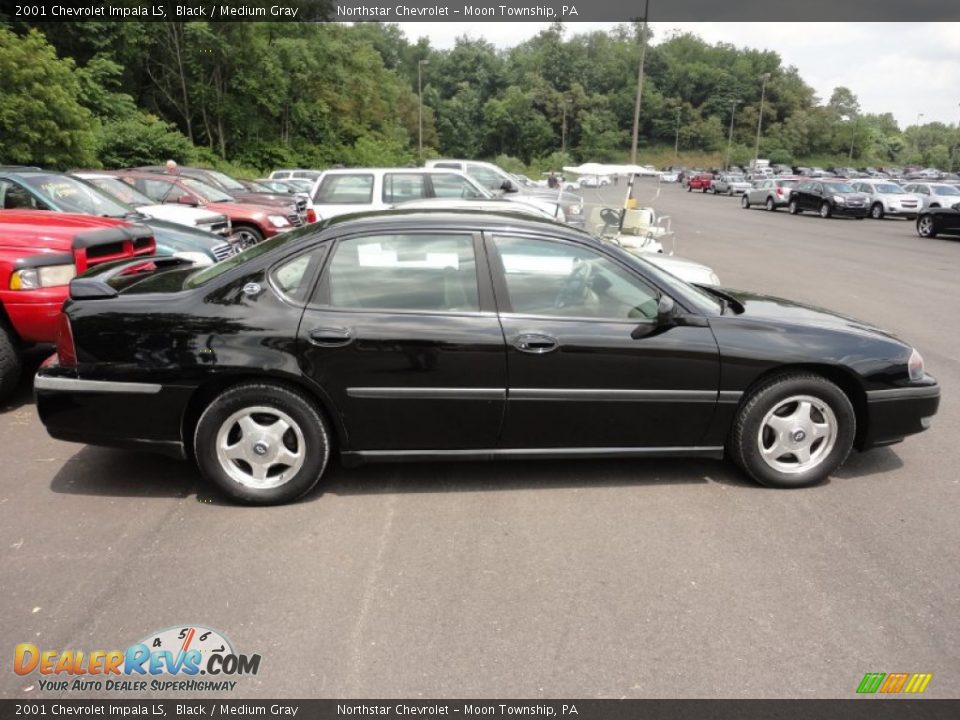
828 197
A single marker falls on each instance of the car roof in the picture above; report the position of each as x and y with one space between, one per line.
417 170
456 218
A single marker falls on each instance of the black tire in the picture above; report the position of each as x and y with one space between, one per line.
794 208
825 210
689 189
771 205
10 367
745 439
876 211
729 192
313 441
926 227
745 202
248 234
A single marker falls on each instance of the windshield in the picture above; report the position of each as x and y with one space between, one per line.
225 180
945 190
839 187
202 277
207 192
889 189
119 190
69 194
736 178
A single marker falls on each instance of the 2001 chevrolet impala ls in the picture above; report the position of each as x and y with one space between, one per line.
425 335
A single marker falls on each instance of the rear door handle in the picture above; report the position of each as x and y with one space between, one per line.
535 343
330 336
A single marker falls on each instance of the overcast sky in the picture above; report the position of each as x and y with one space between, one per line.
903 68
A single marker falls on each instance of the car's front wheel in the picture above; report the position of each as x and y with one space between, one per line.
793 431
247 236
925 227
745 202
9 362
262 444
876 212
794 207
825 210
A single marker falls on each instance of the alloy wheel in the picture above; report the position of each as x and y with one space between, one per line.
260 447
797 434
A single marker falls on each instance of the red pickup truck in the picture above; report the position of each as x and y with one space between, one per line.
700 181
40 252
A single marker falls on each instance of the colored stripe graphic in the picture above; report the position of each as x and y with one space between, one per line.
870 683
918 682
894 682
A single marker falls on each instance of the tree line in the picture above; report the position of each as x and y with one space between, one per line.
263 95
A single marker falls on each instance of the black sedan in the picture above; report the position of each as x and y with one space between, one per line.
939 221
828 198
436 335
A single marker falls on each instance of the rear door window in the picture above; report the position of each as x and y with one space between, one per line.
345 189
401 187
409 272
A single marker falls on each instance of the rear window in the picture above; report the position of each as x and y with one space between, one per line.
345 189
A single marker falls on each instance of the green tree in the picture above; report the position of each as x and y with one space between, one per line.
42 119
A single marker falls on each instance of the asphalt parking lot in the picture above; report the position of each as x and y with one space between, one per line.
536 579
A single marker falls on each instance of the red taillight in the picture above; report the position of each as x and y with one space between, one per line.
311 215
66 350
780 192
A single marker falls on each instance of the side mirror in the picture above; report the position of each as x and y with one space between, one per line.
508 186
665 319
186 200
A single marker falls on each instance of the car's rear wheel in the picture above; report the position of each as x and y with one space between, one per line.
825 210
876 212
262 444
9 362
730 192
793 431
925 227
793 207
745 202
771 205
689 188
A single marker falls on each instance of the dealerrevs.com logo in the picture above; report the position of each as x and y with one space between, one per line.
190 658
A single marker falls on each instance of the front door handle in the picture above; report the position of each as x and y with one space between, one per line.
330 336
535 343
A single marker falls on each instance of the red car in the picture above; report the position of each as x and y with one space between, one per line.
250 222
700 181
40 252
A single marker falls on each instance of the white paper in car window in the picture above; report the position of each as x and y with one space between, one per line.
538 264
374 255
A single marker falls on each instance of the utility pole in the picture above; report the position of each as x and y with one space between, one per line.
563 128
636 107
420 64
733 114
676 143
763 92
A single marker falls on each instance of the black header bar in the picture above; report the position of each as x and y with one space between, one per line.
459 11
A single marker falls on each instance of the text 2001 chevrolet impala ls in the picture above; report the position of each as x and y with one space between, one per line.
423 335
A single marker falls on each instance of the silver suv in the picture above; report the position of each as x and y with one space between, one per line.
888 198
730 183
771 194
935 195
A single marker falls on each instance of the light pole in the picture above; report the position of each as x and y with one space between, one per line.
420 64
676 143
636 106
953 150
733 114
919 115
563 129
763 92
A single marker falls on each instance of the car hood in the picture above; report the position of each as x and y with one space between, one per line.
179 237
180 214
687 270
779 310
